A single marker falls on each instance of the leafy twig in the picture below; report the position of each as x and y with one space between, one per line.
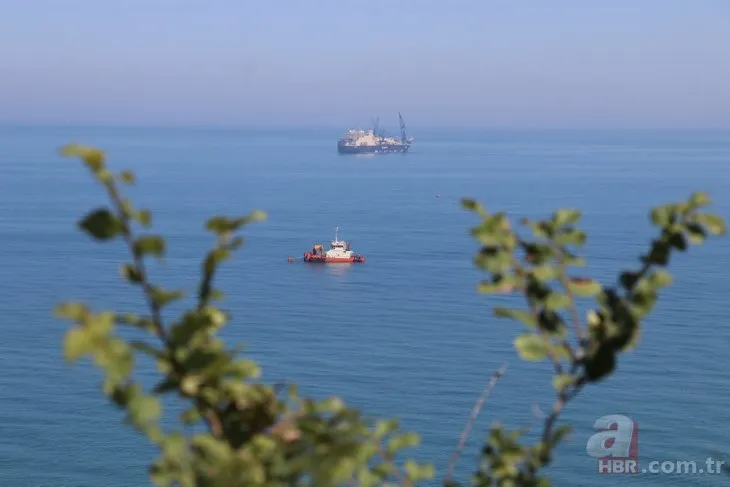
211 416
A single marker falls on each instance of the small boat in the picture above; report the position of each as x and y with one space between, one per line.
338 253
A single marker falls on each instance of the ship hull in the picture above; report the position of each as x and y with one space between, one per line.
371 149
321 259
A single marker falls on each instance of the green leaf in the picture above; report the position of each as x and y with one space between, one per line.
385 426
695 233
217 317
660 279
144 409
531 347
244 369
99 325
661 215
162 478
562 381
164 298
557 301
218 224
539 229
494 260
71 311
571 237
130 273
526 317
546 272
565 217
127 177
583 286
77 343
254 216
491 233
117 359
404 440
216 450
183 332
331 405
505 285
537 254
418 472
93 158
573 260
101 224
473 205
145 218
222 224
150 244
715 224
699 199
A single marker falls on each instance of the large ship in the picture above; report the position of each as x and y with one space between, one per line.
374 141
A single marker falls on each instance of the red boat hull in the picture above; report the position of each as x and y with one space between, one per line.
321 259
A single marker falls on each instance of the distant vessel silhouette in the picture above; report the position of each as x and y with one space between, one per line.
373 141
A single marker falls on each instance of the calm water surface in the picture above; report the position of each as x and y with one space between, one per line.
403 335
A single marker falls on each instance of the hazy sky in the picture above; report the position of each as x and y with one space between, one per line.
500 63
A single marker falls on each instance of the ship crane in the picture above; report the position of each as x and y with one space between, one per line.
403 136
376 128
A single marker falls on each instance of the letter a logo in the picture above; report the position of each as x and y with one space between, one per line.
616 444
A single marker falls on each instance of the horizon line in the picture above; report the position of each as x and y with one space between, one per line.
339 127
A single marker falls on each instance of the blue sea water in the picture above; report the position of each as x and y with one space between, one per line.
405 334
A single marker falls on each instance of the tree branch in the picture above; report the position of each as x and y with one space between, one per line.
211 416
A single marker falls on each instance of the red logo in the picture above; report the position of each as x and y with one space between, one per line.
616 445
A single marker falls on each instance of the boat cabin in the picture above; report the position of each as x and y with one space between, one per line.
339 244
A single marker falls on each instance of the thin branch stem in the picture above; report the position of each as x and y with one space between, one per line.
577 327
472 419
563 398
138 262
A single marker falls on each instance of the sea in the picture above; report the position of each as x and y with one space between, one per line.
405 334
